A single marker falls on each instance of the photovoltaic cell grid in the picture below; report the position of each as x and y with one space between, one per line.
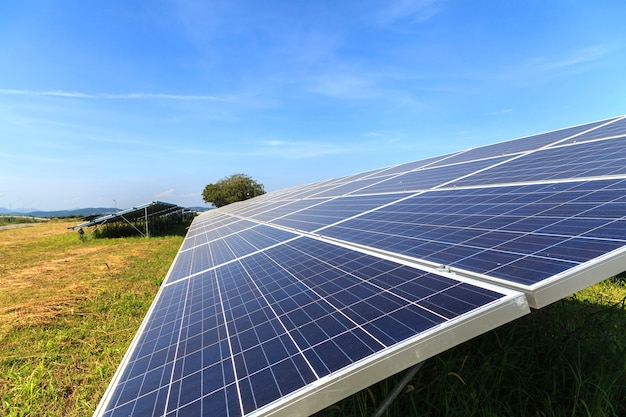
588 159
520 233
238 337
286 302
614 129
349 187
424 179
206 255
220 228
410 166
516 146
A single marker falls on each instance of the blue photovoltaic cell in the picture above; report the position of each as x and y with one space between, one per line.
310 190
333 211
214 224
589 159
263 236
519 145
520 233
285 209
343 189
215 230
616 128
243 335
200 258
362 175
410 166
250 209
427 178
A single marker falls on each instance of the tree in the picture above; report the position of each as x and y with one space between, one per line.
237 187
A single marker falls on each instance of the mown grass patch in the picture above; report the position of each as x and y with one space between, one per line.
68 310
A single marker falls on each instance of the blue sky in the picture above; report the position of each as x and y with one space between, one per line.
118 102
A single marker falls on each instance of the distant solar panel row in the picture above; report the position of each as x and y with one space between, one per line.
282 304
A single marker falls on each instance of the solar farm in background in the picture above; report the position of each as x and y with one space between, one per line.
286 303
142 219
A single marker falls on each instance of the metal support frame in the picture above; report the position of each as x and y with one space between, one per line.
134 227
397 390
97 226
146 213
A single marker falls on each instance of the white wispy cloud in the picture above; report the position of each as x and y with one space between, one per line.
271 148
57 93
537 69
575 58
415 11
275 142
189 151
189 195
361 85
344 86
148 96
383 137
165 193
297 150
108 96
503 111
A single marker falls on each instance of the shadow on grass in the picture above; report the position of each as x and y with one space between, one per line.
567 359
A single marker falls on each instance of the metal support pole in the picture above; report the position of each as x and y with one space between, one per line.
147 232
397 390
132 225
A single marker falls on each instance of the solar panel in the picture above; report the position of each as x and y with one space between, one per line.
579 160
607 130
529 143
288 321
522 234
149 210
427 178
286 303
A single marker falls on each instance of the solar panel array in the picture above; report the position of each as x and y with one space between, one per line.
288 302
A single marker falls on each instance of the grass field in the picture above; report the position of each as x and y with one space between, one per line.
68 310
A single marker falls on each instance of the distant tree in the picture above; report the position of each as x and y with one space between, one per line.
237 187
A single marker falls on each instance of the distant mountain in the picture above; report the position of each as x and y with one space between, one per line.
198 208
76 212
4 210
91 211
60 213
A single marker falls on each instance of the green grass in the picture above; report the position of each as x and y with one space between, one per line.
69 309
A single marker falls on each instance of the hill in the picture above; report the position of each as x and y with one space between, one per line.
82 212
59 213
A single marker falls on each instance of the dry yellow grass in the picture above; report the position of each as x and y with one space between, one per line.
68 310
45 270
